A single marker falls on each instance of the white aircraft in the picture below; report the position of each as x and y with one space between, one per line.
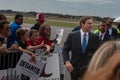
117 21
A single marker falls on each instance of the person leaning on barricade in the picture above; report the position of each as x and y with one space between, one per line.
33 37
109 71
22 35
44 37
101 57
4 32
18 20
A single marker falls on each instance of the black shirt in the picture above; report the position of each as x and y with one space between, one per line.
36 27
23 45
1 40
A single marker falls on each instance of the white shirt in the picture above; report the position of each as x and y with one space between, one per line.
103 34
110 31
82 33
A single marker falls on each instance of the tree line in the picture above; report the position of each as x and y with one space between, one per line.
10 12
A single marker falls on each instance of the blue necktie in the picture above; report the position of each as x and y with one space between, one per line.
84 43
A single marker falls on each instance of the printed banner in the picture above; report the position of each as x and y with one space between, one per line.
43 68
59 35
29 69
51 68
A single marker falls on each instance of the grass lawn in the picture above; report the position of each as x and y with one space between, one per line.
69 24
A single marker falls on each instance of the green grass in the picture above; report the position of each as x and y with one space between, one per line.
69 24
63 24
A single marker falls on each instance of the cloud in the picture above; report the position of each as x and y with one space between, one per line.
95 2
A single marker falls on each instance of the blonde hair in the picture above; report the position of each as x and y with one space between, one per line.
41 31
102 55
110 71
21 32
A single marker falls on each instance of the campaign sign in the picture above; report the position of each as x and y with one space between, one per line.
29 69
59 35
51 68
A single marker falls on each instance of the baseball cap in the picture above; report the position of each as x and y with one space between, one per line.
40 16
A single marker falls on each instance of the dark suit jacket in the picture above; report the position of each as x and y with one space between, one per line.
73 44
114 33
107 37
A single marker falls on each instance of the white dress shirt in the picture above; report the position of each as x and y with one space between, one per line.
103 34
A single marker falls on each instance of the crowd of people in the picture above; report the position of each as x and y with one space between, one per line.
19 38
98 45
91 52
14 37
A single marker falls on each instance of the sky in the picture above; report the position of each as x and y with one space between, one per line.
102 8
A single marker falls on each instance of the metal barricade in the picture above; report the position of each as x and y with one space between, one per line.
8 61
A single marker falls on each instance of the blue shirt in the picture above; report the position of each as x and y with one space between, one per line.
12 38
76 28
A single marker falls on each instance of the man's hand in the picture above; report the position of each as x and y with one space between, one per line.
69 66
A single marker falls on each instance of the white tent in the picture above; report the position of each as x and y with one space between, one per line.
117 21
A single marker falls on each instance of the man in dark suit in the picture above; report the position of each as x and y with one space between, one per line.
82 44
103 34
112 31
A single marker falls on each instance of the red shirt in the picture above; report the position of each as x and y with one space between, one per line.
30 43
41 39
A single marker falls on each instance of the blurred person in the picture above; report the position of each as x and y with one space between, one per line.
112 31
40 19
109 71
80 43
117 23
77 27
12 38
102 55
23 35
33 37
4 32
118 29
3 17
103 35
97 30
44 36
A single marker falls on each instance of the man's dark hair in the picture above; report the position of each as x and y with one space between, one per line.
21 32
103 21
17 16
32 31
2 24
84 19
